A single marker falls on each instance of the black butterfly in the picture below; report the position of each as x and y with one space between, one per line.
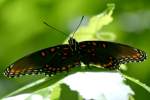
63 57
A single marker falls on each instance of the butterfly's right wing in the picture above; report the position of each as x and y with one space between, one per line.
109 54
50 60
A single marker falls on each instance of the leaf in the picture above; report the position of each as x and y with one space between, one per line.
67 93
95 24
144 86
55 93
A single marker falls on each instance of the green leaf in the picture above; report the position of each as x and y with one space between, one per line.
95 24
105 36
55 93
67 93
144 86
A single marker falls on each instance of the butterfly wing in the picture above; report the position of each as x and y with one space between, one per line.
51 60
109 54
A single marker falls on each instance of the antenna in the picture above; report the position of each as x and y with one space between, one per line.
55 28
78 26
62 31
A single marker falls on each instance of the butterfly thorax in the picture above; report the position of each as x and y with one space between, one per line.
74 45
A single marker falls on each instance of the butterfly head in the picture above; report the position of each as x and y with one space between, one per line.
73 44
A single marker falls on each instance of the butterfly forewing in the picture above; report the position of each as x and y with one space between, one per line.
51 60
109 54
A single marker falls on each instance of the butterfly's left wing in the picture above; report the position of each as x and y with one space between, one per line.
109 54
49 61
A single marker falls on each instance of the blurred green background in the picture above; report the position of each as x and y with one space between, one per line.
22 32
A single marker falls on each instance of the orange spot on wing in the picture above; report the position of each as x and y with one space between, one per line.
93 43
50 68
107 65
52 49
58 69
53 69
43 53
138 54
63 68
135 56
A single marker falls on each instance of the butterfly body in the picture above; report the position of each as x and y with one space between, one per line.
63 57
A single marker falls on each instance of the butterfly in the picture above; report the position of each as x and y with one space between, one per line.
66 56
63 57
